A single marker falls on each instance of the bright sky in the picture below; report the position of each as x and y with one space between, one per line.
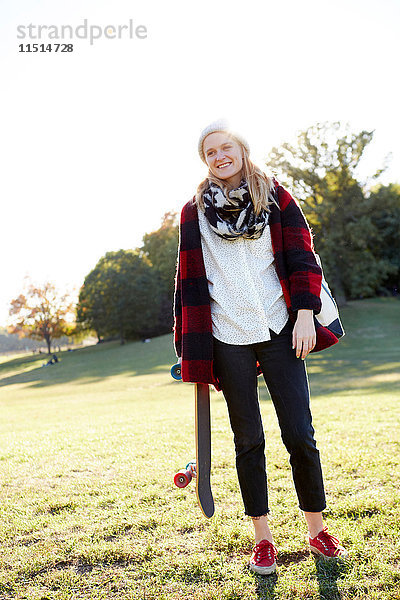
98 143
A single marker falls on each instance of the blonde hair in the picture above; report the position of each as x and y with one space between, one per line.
260 185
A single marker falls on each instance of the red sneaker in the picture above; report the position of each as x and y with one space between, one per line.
262 560
326 545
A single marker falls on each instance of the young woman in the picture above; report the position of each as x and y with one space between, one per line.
247 289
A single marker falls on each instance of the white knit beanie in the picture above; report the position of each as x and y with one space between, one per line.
220 125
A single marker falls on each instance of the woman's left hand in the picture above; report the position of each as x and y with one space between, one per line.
304 337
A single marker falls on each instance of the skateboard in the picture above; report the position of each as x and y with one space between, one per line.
201 469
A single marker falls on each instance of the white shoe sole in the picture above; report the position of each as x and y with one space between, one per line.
317 552
263 570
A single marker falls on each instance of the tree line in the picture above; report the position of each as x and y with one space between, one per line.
129 293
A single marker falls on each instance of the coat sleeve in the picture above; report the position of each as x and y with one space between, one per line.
304 273
178 303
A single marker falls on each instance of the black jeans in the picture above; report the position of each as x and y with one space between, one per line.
287 382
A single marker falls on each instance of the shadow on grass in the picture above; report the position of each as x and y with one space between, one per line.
334 376
91 364
266 584
327 373
265 587
328 573
289 558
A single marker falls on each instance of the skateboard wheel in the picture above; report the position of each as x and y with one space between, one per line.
176 372
183 478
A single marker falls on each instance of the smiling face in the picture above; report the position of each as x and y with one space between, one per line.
224 157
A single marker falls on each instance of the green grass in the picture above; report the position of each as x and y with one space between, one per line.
89 447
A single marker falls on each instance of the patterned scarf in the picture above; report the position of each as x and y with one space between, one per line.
234 216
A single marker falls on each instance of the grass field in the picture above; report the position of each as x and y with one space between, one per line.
89 448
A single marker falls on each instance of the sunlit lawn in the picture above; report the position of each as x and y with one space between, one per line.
88 452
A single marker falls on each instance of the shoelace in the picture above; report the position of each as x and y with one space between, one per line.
329 541
264 550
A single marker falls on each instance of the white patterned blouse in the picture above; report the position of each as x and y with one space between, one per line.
246 295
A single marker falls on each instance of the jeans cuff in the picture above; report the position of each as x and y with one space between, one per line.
313 509
264 514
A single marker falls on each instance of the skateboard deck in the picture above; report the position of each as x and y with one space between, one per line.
203 449
202 468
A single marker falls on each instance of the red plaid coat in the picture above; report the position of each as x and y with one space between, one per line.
296 266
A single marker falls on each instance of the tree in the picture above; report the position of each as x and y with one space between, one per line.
120 296
42 314
321 171
161 249
385 205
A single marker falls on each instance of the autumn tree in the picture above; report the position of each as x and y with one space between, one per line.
42 313
321 170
